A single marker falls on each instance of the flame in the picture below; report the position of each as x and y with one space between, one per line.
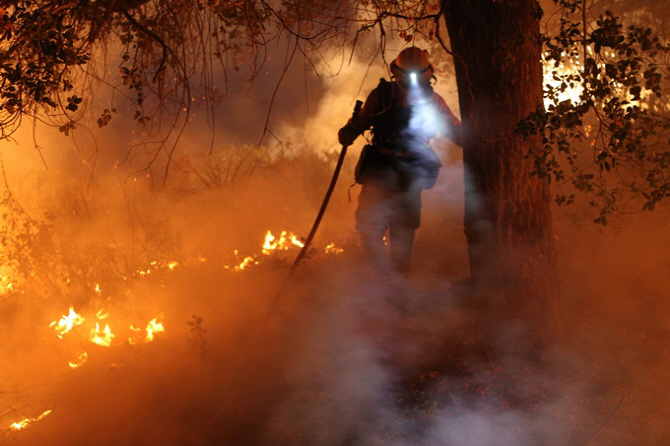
554 78
297 242
567 78
246 262
269 243
19 425
79 362
272 244
152 328
6 284
136 330
283 243
67 322
103 337
144 272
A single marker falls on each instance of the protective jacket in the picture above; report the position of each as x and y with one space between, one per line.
403 121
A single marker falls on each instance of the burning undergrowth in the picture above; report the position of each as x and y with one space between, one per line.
107 288
136 316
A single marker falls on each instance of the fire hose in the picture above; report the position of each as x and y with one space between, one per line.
319 216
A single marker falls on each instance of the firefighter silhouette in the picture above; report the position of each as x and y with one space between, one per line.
404 114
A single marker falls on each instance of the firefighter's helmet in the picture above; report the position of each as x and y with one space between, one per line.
412 64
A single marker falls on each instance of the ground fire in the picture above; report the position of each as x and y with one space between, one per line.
96 327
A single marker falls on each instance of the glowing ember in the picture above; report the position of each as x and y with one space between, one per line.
6 284
246 262
79 362
172 265
103 337
67 322
136 331
332 249
152 328
22 424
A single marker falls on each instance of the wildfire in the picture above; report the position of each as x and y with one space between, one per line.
67 322
283 243
22 424
6 284
79 362
565 80
99 329
246 262
332 249
555 78
102 337
273 244
152 328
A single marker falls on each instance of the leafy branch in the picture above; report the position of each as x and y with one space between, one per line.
606 126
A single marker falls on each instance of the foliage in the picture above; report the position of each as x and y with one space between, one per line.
197 340
27 245
48 50
48 256
167 57
173 55
606 127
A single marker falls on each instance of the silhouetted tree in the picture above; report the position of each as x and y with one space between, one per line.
497 56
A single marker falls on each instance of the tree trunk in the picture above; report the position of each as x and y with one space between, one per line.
507 210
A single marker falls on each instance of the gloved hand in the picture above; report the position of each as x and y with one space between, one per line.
347 135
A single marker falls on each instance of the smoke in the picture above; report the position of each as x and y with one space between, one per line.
343 356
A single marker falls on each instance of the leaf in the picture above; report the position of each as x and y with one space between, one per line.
635 92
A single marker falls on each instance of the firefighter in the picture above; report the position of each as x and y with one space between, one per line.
399 163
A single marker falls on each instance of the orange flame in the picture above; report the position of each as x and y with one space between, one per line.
67 322
246 262
283 243
332 249
152 328
22 424
6 284
79 362
103 337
